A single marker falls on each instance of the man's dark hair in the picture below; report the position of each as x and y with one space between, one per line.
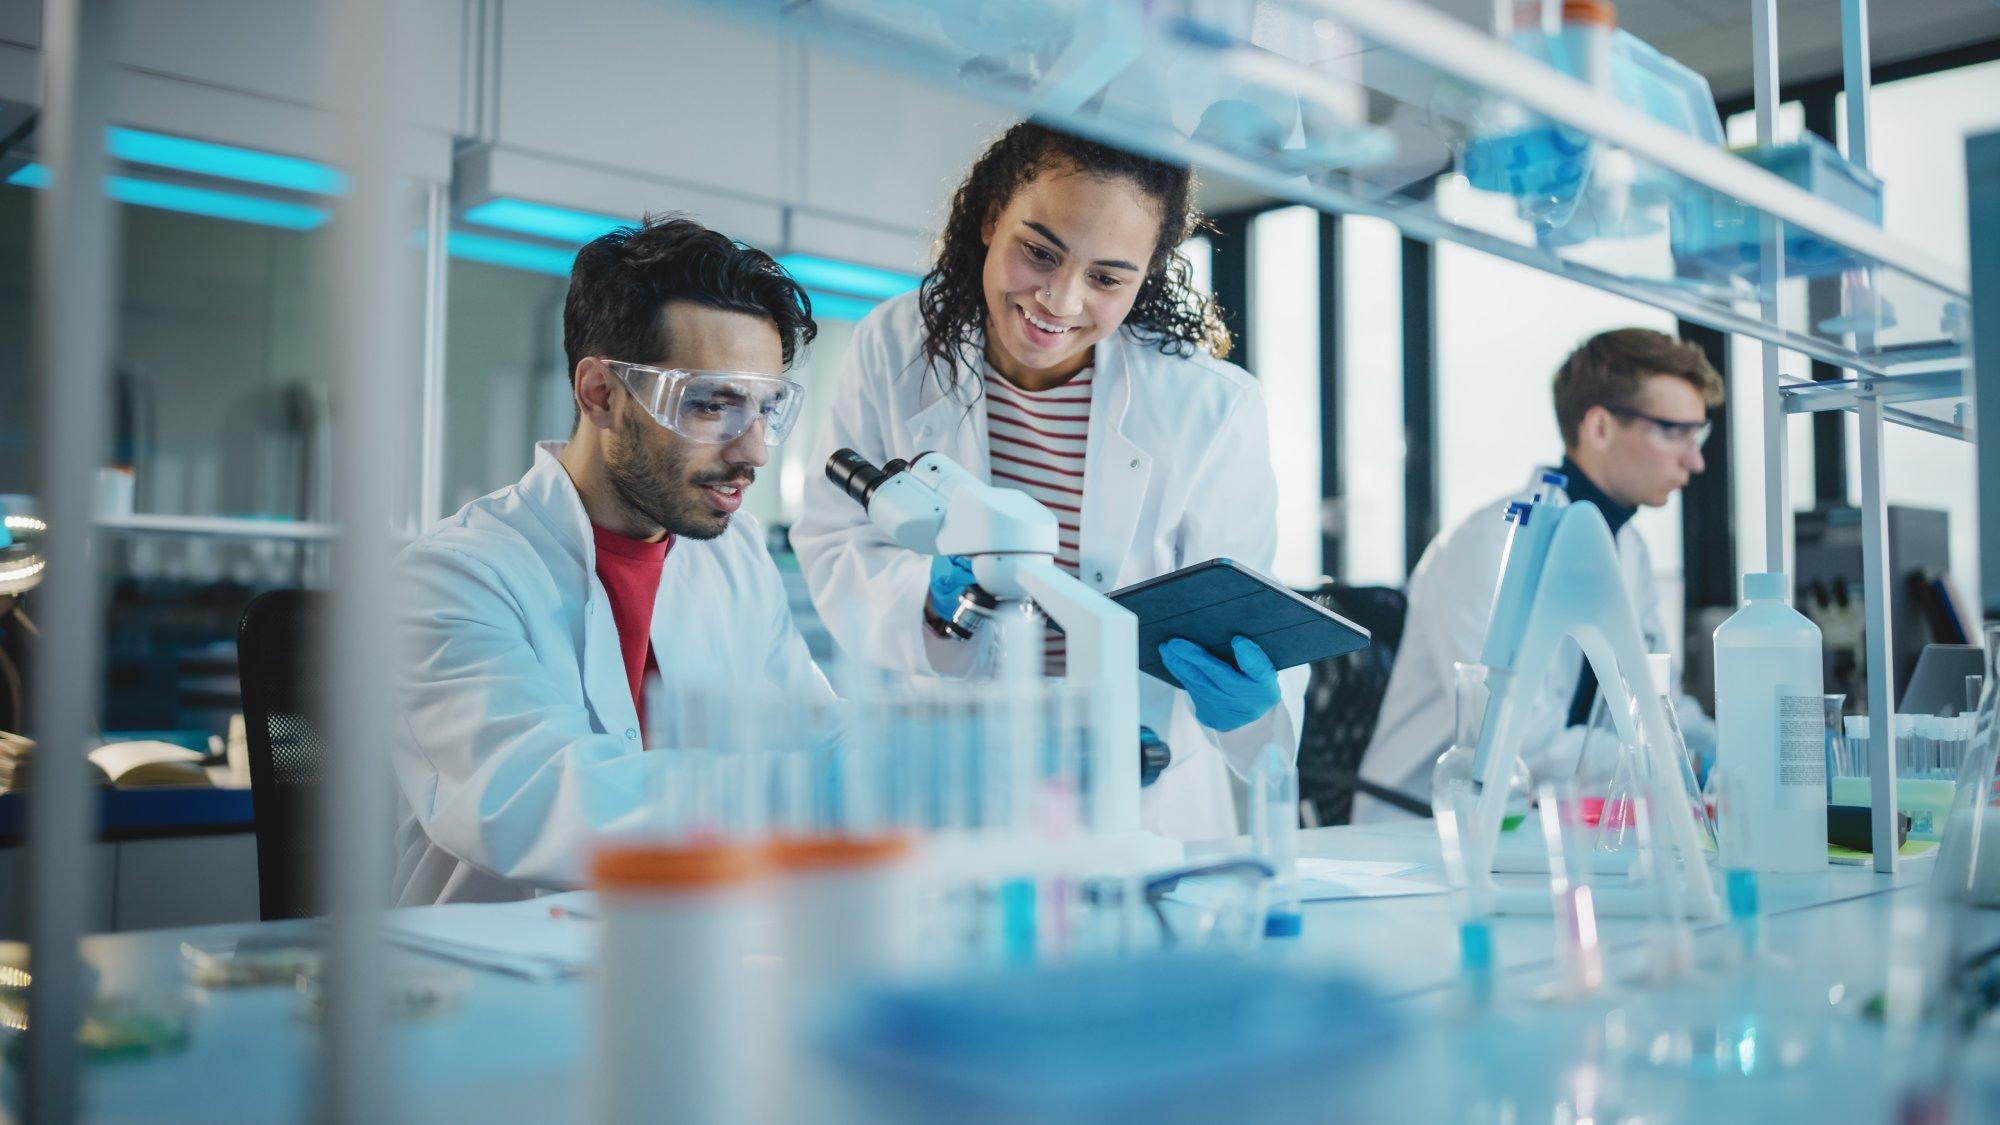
1610 367
621 282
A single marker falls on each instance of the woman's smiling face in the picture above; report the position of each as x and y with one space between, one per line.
1064 263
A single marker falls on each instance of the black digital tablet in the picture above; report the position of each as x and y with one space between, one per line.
1213 602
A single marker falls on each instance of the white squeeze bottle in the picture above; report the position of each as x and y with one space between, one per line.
1770 731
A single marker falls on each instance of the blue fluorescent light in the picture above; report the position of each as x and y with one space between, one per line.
847 277
214 204
225 161
513 255
192 200
543 221
835 306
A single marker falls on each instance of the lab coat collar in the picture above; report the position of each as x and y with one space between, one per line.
552 495
548 490
1117 471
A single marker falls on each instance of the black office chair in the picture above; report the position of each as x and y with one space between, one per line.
276 654
1343 702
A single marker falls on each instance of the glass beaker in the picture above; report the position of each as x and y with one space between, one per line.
1456 789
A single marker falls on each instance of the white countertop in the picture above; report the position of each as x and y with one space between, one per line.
514 1049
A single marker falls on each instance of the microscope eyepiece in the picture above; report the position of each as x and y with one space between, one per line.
857 476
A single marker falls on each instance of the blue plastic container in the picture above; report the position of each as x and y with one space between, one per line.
1715 236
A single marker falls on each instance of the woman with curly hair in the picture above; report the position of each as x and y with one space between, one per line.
1058 347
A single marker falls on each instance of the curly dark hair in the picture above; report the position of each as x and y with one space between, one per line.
620 281
1168 313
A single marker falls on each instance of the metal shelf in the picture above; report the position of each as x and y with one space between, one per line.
219 527
1368 108
1947 410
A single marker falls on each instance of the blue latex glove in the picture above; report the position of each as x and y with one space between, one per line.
1224 697
950 575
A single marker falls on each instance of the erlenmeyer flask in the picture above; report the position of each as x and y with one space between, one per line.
1455 788
1968 863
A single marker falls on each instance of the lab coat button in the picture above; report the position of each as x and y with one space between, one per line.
1135 462
1097 576
631 732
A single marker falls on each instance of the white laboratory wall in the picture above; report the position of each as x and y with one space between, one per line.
1373 446
1284 323
881 148
278 48
647 88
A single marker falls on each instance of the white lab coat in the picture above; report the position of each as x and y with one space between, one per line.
520 742
1177 471
1451 596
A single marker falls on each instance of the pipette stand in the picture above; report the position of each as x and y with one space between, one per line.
1573 587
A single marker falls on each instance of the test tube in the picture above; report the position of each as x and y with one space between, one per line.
1475 937
1275 837
1579 956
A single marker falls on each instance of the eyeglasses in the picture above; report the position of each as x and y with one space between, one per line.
1691 434
713 407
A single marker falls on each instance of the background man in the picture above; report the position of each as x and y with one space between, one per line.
1633 406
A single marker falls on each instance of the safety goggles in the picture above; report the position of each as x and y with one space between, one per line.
713 407
1691 434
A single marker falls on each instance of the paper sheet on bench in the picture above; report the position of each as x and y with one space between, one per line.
523 939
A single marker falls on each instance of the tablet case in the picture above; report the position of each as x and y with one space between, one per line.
1212 602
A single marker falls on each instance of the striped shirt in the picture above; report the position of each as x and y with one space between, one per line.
1036 442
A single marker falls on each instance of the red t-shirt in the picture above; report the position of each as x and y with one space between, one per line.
630 571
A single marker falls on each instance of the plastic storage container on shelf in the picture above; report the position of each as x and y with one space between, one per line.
1540 163
1715 236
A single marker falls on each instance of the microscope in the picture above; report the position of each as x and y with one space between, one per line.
934 506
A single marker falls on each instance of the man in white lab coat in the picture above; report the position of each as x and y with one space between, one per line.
1633 406
550 625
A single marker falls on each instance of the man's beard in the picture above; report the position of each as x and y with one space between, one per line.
653 482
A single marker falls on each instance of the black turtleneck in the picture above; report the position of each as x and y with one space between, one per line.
1616 515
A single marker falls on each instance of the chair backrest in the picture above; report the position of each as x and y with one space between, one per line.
1344 698
277 653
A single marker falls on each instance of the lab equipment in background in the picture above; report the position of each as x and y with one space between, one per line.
1828 589
1715 236
681 1018
1937 686
1968 863
1770 727
1930 753
1560 579
1274 832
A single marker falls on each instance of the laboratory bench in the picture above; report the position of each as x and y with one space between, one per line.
517 1050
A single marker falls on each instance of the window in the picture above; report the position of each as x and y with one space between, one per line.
1284 323
1372 434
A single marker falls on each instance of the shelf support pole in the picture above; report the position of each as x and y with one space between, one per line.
76 233
1777 462
1875 595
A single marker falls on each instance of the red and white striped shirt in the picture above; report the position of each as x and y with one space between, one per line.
1036 442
